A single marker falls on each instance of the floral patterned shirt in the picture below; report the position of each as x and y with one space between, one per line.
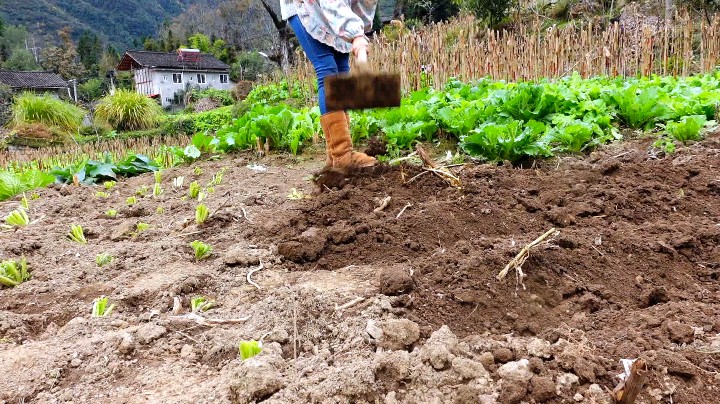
333 22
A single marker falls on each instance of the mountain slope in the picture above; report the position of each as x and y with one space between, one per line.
118 21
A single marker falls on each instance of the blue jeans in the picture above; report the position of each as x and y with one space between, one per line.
325 59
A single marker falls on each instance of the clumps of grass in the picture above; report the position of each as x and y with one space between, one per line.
201 214
128 110
101 308
101 194
201 303
77 234
29 108
201 250
194 190
103 259
16 219
111 213
13 273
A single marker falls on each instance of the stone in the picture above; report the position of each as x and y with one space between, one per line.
127 344
680 333
539 348
578 397
393 365
398 334
395 280
596 393
512 393
518 371
75 362
469 369
148 333
565 381
373 330
542 389
503 355
122 230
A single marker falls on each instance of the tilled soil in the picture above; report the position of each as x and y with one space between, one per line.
400 304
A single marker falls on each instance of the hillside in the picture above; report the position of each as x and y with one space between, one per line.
115 21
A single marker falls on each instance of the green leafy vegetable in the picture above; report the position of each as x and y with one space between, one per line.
248 349
13 273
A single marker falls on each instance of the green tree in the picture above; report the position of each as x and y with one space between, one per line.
90 51
2 26
21 59
428 10
490 11
705 7
63 59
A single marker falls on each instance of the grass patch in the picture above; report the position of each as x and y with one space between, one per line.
45 109
128 110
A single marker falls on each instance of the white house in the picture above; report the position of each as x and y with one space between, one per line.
161 75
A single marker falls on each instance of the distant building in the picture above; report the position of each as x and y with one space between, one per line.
161 75
35 81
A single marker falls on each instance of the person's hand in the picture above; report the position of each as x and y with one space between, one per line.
358 44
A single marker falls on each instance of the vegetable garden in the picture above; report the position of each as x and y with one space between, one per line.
207 267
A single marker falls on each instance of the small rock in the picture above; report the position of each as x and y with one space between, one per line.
542 389
512 393
239 257
486 399
127 345
680 333
578 397
540 348
503 355
468 368
565 381
188 352
487 359
393 365
516 371
373 330
255 382
391 398
148 333
122 230
596 392
75 362
439 347
395 280
398 334
536 365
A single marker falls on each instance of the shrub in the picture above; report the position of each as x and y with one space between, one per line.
47 110
91 90
128 110
223 97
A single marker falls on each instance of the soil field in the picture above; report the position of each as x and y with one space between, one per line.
357 304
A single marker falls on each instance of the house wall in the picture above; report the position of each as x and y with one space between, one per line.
162 83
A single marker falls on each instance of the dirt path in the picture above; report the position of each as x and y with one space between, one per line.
632 273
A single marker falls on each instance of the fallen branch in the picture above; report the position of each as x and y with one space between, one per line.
523 255
384 204
349 304
627 391
409 205
441 171
252 271
210 322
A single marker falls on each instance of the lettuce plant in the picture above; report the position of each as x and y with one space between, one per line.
103 259
17 218
201 250
13 273
201 214
77 234
101 308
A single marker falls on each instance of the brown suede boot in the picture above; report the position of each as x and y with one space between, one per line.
328 161
339 143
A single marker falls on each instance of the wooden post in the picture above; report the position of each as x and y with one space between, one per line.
627 391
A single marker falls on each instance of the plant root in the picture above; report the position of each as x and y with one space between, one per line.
522 256
252 271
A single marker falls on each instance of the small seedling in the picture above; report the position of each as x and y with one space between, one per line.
201 214
201 303
110 185
103 259
201 250
296 195
142 191
100 307
158 177
13 273
157 190
160 210
210 190
248 349
101 194
17 218
77 234
198 171
194 190
217 178
201 196
24 202
34 196
130 201
178 182
141 227
111 213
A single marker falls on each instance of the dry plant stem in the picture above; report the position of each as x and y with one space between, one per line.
252 271
416 177
222 205
210 322
383 205
245 215
627 391
523 255
409 205
295 329
349 304
442 172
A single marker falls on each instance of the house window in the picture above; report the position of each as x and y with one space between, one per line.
201 78
177 78
223 78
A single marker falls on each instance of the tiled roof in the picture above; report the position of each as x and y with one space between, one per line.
135 59
31 79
